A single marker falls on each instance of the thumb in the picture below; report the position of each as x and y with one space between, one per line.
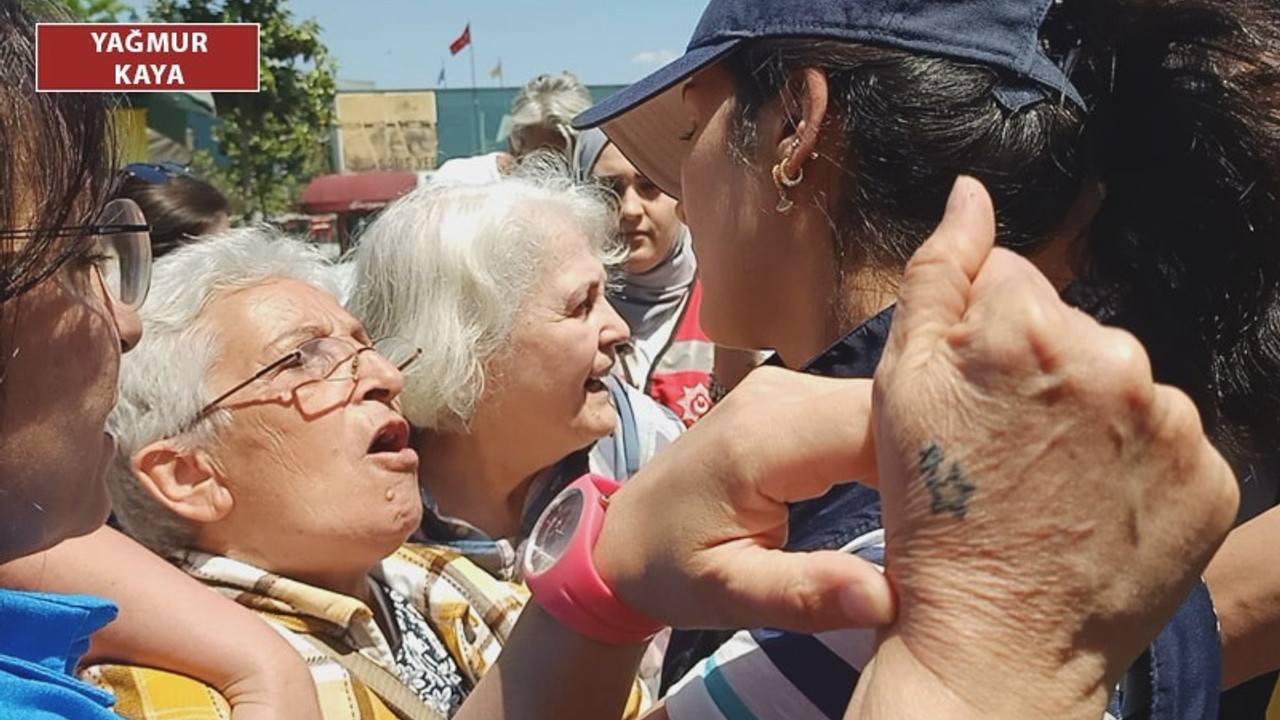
805 591
937 281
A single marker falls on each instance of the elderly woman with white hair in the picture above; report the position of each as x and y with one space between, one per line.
261 449
540 119
503 287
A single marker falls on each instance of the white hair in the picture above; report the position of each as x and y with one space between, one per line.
549 101
163 380
448 267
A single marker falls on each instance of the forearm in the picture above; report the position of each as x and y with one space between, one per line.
1245 585
547 671
230 648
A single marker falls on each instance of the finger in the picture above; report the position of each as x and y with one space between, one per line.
831 441
803 592
784 435
1175 423
1015 318
937 282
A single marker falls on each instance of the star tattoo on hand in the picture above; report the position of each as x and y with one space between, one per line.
950 492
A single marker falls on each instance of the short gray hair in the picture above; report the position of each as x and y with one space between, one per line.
549 101
162 380
448 267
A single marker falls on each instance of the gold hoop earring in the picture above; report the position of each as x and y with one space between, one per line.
782 181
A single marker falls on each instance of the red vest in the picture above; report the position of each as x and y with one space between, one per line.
681 374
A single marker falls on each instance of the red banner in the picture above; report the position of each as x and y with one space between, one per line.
463 40
143 57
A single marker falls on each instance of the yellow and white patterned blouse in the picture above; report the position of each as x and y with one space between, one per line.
471 613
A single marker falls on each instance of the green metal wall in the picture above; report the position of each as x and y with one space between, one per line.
461 113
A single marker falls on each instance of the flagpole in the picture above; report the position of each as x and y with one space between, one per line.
475 96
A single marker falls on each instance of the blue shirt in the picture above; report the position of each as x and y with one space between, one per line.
41 642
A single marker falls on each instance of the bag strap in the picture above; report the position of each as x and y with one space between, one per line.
402 701
627 421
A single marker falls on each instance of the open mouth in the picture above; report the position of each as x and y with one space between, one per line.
595 383
391 437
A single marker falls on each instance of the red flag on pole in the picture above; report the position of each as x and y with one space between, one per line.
463 40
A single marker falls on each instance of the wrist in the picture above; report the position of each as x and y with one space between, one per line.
560 567
905 681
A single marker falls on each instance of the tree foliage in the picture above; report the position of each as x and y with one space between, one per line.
98 10
275 138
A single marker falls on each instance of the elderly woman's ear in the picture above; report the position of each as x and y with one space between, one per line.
185 481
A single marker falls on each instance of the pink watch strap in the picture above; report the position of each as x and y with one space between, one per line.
573 592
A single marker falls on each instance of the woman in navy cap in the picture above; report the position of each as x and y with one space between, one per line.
1131 151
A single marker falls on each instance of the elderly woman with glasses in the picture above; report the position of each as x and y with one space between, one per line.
273 465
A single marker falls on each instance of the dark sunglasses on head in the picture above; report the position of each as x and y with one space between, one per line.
157 173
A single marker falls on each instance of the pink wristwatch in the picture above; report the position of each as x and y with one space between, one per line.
561 572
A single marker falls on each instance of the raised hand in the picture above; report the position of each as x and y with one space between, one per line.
693 539
1047 505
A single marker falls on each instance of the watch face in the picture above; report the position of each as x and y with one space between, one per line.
553 532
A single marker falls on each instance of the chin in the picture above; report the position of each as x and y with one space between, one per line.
600 424
640 263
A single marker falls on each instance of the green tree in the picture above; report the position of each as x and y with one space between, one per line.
276 138
98 10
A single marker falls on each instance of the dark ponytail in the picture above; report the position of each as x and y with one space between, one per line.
1184 130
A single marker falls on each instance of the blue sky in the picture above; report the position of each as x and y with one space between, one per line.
403 43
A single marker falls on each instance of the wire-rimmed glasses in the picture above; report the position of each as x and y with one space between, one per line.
320 359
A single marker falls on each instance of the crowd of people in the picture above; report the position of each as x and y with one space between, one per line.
865 361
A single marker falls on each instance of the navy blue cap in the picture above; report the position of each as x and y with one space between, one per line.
646 118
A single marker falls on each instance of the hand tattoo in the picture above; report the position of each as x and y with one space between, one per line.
949 493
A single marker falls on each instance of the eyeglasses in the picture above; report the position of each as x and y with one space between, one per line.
157 173
320 360
123 249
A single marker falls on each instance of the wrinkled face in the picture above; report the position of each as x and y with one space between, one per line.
739 238
319 470
544 383
62 343
647 216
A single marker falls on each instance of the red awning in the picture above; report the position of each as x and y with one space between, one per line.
347 192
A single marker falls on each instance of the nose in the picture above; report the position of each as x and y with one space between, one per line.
630 206
377 378
613 329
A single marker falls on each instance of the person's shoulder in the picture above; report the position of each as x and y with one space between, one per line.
436 578
144 693
476 170
766 673
30 691
651 417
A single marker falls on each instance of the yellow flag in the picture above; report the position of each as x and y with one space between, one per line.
496 72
